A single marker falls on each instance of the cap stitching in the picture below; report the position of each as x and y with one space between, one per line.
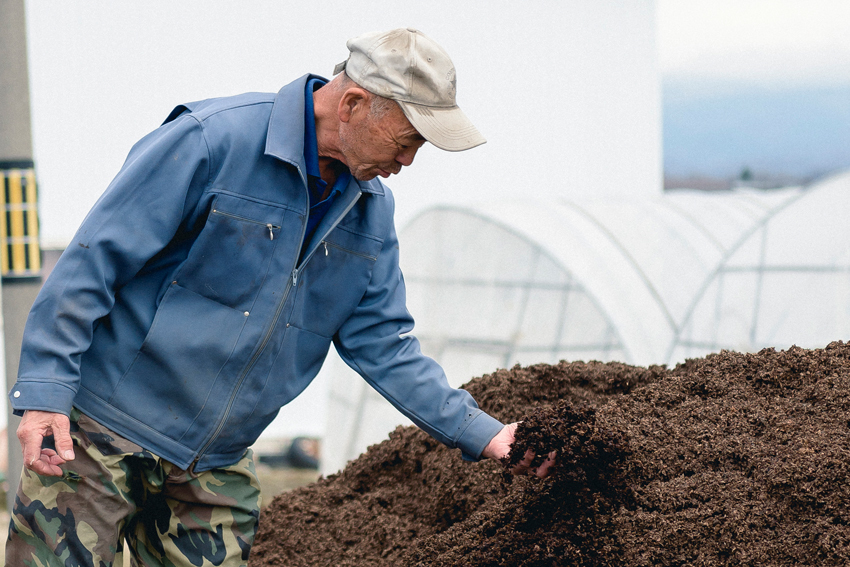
411 65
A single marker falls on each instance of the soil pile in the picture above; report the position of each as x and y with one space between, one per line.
735 459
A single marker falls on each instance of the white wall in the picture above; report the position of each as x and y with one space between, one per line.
566 92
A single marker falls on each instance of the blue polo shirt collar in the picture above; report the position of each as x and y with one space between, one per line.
311 145
315 184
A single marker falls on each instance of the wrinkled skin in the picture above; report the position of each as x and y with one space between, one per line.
34 427
378 147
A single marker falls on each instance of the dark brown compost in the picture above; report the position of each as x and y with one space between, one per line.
734 459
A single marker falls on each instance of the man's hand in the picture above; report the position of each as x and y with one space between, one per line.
500 446
34 427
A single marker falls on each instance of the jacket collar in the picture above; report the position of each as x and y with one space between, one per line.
285 136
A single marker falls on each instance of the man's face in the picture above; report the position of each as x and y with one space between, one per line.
373 147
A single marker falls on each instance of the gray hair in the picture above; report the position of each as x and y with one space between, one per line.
378 107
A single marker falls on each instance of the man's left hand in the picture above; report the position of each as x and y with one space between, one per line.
34 427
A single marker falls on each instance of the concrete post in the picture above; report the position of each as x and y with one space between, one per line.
15 131
17 295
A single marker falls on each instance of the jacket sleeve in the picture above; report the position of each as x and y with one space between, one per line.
374 343
135 218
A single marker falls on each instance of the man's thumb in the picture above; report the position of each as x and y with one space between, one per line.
62 437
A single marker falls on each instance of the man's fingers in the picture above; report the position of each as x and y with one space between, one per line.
44 467
31 443
525 465
62 436
32 430
508 436
546 467
50 457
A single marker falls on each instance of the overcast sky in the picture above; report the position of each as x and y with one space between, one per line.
777 43
546 82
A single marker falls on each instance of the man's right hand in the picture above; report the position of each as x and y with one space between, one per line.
500 446
34 427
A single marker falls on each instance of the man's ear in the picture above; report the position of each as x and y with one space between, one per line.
354 105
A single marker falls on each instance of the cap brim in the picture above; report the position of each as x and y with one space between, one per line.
447 128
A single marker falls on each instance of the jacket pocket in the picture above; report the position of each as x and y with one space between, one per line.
231 257
334 280
178 367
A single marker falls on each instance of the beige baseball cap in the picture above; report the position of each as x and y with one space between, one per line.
409 67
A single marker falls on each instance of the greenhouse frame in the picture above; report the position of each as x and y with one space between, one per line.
644 281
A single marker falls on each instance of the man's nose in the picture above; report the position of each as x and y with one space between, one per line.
405 156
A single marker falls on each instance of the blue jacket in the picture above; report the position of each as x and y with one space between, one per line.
180 318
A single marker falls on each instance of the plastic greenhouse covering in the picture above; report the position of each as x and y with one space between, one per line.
651 281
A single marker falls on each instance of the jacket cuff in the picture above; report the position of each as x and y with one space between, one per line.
477 435
42 396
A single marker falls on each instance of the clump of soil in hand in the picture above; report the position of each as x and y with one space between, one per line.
734 459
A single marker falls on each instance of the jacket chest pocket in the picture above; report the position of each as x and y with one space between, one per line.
334 280
232 255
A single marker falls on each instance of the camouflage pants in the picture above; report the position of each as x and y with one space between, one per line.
114 491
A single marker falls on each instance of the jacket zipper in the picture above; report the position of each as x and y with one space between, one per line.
268 225
346 250
291 282
330 229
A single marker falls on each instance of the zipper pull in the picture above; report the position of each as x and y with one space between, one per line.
326 247
271 233
294 278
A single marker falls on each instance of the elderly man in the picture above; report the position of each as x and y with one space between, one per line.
202 292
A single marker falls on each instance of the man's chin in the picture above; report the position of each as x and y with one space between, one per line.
364 176
369 175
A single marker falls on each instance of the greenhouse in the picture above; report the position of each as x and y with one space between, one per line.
651 281
787 282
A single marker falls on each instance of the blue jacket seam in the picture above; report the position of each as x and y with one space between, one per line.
211 113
